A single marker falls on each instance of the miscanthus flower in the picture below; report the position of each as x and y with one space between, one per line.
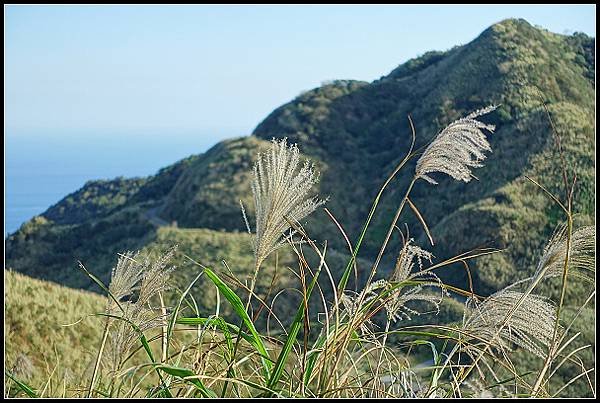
282 191
530 326
352 303
125 277
135 282
582 256
403 300
397 307
405 262
23 367
457 149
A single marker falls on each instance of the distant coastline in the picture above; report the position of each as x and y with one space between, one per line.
42 169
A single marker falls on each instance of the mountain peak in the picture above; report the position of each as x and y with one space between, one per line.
510 28
519 23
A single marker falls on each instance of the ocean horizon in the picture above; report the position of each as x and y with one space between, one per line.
40 170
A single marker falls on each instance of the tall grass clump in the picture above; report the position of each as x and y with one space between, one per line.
382 340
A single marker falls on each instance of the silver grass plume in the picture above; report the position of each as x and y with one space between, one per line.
406 261
530 326
135 282
457 148
23 367
352 303
397 305
582 256
281 187
350 307
124 278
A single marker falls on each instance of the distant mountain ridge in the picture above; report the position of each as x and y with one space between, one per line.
356 132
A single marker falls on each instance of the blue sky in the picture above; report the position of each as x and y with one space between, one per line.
216 69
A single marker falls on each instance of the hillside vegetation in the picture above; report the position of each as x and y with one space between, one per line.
356 134
38 345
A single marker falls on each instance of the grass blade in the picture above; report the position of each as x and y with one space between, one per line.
238 306
22 385
295 328
184 374
176 311
226 327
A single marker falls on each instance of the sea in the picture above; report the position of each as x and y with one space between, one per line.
41 168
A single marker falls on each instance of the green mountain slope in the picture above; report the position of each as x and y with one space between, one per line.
36 340
362 131
356 132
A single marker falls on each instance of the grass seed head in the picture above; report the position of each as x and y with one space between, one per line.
281 187
530 326
582 256
459 147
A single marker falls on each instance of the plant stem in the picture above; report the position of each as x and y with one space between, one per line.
374 269
97 365
408 156
390 230
165 329
549 357
241 326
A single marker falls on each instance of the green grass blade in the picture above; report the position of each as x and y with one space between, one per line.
176 311
238 306
227 328
22 385
102 393
100 284
292 334
184 374
312 358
